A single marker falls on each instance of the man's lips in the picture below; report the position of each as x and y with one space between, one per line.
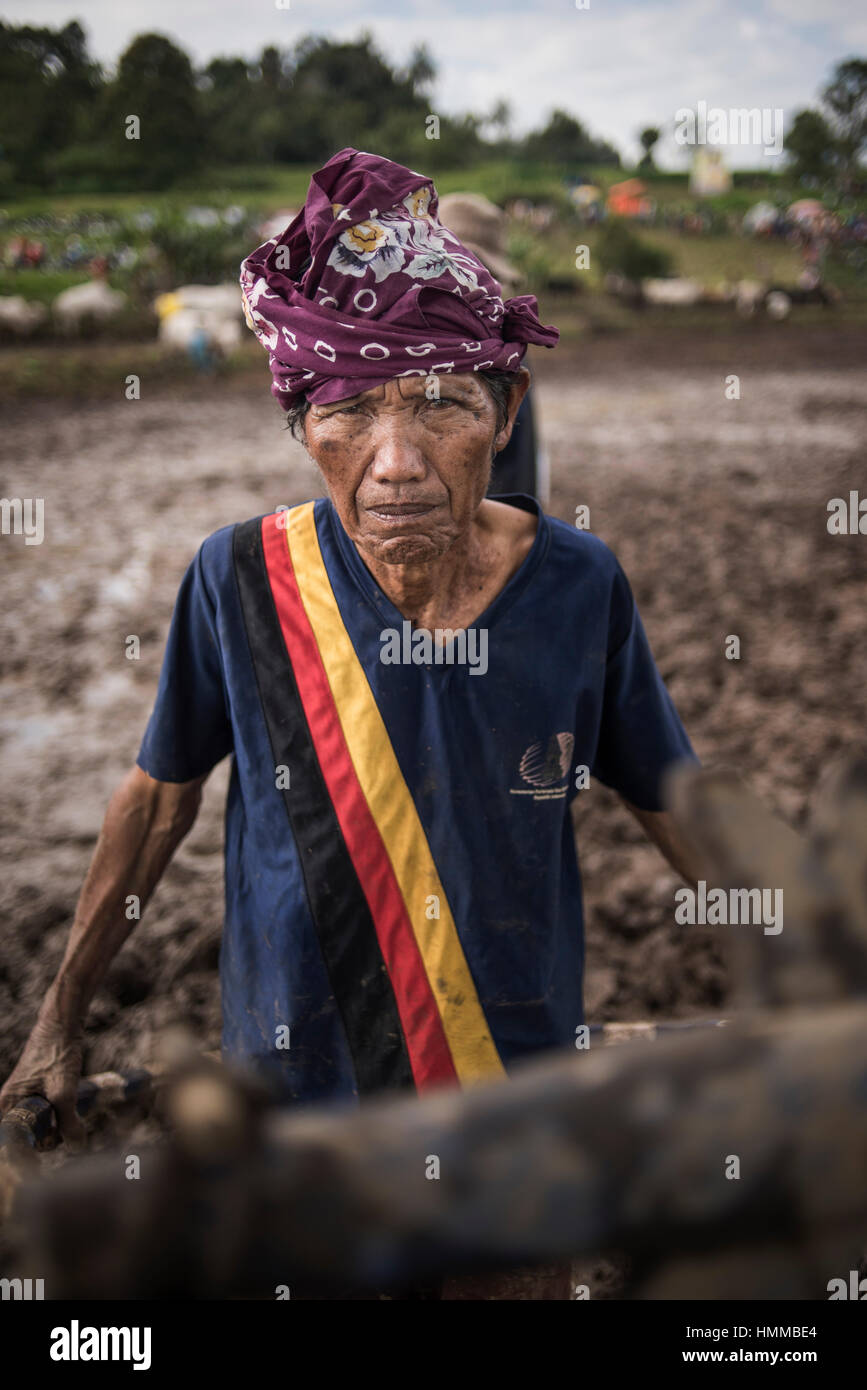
401 511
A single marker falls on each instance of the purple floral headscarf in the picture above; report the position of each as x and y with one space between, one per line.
366 285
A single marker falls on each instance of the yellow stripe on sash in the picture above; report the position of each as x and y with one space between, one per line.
469 1037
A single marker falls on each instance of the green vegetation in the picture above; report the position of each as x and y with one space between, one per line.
827 145
164 245
158 122
620 249
221 148
39 285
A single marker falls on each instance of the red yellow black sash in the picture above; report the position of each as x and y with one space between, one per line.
398 971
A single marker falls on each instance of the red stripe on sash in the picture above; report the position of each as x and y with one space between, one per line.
426 1043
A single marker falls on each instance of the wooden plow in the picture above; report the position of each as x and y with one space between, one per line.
724 1161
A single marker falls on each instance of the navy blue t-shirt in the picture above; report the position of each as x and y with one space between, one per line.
433 934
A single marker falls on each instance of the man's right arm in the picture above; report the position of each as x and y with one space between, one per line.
144 823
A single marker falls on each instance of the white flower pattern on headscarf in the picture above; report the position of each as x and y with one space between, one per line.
380 244
370 246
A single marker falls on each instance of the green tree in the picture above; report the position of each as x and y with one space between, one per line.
421 71
497 122
564 140
48 90
648 137
155 83
845 98
460 144
271 69
619 249
342 93
229 109
811 146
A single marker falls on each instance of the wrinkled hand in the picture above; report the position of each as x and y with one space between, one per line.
50 1066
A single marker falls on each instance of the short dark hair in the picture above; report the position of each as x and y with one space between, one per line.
498 382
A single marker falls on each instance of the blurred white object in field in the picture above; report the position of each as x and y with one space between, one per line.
196 312
21 316
674 291
183 329
749 296
217 299
93 301
778 305
760 218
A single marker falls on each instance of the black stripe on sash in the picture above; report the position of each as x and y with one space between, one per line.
344 925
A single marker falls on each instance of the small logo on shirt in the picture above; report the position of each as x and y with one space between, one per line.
544 765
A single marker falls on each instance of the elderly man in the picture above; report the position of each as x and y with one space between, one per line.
415 683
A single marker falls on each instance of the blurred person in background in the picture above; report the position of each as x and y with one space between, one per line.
523 465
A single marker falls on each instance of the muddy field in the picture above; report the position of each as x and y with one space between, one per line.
715 507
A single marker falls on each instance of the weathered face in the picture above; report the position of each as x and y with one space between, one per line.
407 469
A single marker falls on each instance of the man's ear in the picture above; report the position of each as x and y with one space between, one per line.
517 392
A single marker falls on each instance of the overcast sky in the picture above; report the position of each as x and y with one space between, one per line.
618 65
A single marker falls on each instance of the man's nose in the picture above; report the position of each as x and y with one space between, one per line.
397 457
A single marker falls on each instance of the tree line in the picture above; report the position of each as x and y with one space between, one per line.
825 145
64 120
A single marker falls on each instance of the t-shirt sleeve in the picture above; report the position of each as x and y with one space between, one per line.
640 731
189 730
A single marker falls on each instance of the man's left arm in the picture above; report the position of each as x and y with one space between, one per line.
661 828
641 734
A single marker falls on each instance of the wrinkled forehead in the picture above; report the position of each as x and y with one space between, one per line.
460 385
